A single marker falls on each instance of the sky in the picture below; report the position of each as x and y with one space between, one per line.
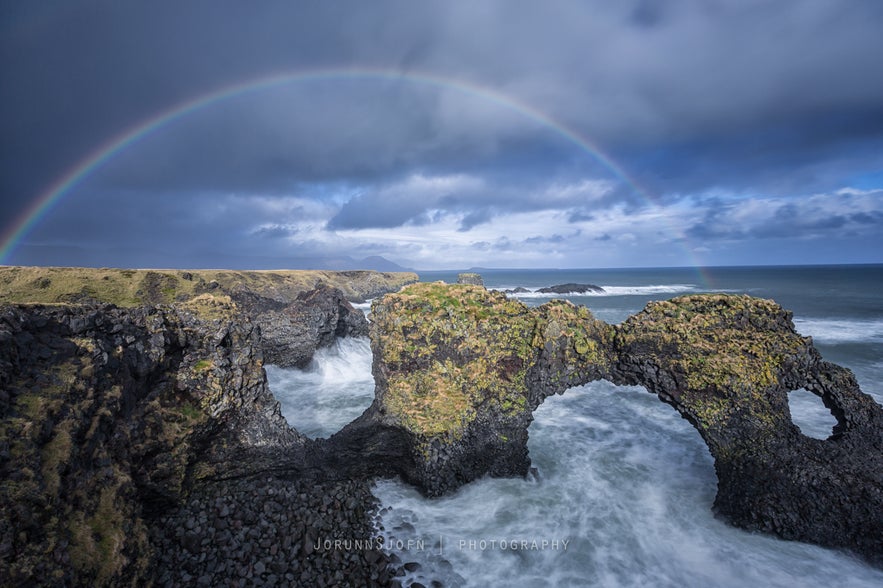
441 135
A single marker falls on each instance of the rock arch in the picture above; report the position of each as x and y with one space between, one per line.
459 371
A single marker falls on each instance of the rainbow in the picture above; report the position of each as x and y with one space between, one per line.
43 204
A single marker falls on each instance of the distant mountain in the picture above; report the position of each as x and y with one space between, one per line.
40 255
381 264
344 263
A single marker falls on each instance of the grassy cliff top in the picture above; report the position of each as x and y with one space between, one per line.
133 287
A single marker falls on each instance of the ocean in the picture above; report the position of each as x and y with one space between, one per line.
624 486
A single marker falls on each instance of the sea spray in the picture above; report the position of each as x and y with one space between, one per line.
629 485
837 331
335 389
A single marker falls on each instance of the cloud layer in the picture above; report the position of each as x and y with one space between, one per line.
738 124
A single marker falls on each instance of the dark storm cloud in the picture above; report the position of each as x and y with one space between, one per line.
821 216
421 199
688 96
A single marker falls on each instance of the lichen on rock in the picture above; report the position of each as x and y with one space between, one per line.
469 347
460 369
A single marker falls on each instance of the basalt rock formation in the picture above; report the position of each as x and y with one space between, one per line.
143 446
459 371
292 331
571 288
107 416
470 278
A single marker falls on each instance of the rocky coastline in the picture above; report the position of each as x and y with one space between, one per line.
459 371
142 446
123 429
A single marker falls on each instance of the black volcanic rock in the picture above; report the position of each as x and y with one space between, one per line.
109 416
470 278
292 332
726 364
571 289
142 445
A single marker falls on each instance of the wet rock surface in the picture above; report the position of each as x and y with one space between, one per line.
571 289
726 364
143 444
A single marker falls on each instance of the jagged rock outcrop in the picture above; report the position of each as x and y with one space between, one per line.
726 364
459 371
292 331
470 278
143 445
107 417
118 427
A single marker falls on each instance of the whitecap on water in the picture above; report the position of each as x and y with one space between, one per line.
613 291
841 330
628 484
622 479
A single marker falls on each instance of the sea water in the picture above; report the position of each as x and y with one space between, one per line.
624 486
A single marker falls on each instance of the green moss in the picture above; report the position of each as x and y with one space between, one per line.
191 412
55 455
127 288
728 351
452 349
203 365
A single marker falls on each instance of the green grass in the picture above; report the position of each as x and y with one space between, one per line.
131 287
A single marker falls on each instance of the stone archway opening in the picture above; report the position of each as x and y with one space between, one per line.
334 389
810 414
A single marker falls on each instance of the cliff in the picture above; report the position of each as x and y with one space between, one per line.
296 310
140 443
107 416
136 287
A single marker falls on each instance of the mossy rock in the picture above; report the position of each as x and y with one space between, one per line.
450 351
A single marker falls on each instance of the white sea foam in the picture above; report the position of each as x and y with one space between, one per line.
629 485
334 390
841 330
613 291
363 306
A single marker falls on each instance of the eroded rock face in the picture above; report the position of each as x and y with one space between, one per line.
292 331
115 420
459 371
727 363
107 415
